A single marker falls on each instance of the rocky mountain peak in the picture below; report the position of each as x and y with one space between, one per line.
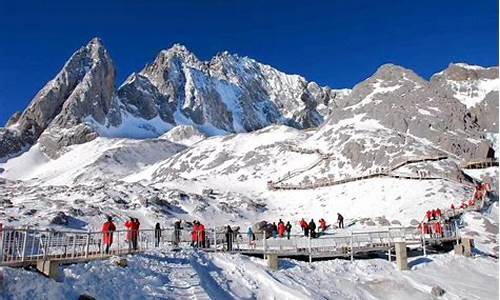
466 72
391 73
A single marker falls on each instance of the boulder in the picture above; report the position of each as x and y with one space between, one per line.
60 219
437 291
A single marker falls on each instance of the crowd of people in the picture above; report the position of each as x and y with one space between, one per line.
198 234
437 220
309 228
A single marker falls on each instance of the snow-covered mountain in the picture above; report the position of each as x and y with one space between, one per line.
229 93
181 125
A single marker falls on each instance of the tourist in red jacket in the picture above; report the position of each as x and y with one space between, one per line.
107 233
281 229
130 235
438 229
322 224
194 234
201 235
429 215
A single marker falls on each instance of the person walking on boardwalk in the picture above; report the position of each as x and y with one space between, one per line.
340 220
107 233
229 238
312 228
438 213
288 229
304 226
201 235
322 224
157 234
177 232
135 233
275 230
130 235
251 237
194 234
428 214
438 230
281 229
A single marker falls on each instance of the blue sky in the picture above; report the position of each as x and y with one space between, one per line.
335 43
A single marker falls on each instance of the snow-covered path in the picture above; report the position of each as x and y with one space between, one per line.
188 274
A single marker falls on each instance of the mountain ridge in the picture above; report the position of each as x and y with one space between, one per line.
232 93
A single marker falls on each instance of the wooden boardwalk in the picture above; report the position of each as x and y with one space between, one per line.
389 172
323 182
23 247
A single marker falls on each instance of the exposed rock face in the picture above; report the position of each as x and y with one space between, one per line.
143 100
485 113
13 119
475 87
232 93
10 144
83 88
399 99
184 134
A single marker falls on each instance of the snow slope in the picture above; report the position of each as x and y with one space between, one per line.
194 275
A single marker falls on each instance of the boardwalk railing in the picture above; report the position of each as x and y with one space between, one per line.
24 245
279 184
27 246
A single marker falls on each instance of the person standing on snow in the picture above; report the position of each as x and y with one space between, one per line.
107 233
340 220
312 228
288 229
157 234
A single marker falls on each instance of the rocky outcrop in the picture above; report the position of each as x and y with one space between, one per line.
184 134
399 99
485 113
84 88
10 144
232 93
475 87
143 100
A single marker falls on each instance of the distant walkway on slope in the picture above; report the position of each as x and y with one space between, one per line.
279 184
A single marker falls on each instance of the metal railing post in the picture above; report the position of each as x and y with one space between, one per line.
215 238
2 245
352 247
118 241
264 244
25 241
87 244
309 242
74 245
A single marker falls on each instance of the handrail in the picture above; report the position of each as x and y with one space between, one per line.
27 245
